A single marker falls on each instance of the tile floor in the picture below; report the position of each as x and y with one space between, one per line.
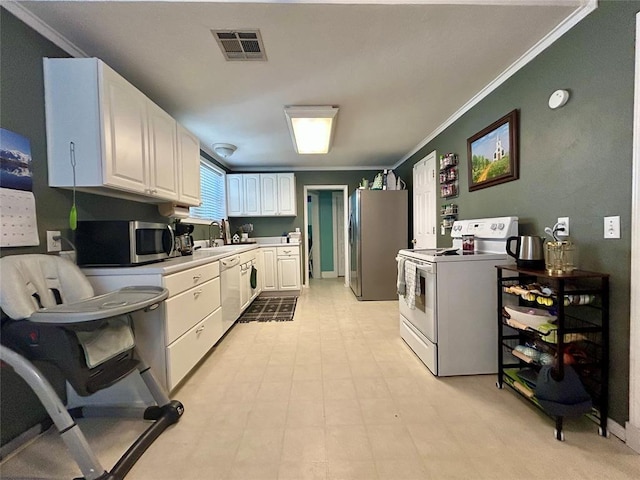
336 394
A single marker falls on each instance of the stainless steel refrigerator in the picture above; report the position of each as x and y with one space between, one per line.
378 224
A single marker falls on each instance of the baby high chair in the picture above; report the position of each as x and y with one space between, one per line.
55 317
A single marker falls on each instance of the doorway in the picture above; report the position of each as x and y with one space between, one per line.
325 205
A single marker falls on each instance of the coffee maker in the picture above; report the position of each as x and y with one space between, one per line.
184 239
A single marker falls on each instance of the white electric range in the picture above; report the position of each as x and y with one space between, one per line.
453 326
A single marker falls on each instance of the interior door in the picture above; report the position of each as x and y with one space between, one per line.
315 254
338 222
354 243
424 203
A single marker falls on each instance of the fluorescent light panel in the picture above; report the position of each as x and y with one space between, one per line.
311 128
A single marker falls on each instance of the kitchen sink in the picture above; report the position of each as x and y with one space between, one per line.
223 250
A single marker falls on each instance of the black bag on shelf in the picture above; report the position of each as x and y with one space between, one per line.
562 397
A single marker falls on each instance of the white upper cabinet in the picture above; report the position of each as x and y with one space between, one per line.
251 195
243 195
286 194
235 192
188 167
163 168
269 194
278 194
124 144
261 195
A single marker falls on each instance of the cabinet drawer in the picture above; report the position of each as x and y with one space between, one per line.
288 251
186 352
181 281
188 308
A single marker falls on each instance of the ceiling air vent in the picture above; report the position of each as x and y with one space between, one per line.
243 46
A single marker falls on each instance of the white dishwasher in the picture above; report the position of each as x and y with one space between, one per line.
230 290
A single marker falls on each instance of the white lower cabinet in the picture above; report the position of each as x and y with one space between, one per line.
186 352
174 337
281 269
270 269
289 268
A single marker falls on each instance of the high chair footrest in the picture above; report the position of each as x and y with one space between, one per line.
114 374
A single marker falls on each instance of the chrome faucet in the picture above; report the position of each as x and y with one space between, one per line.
212 242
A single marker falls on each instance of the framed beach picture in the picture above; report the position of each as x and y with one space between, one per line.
492 153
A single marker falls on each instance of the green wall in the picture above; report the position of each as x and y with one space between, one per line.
326 230
574 161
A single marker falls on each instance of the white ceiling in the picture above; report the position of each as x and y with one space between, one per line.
397 70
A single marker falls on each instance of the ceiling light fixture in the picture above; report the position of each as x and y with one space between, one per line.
224 150
311 127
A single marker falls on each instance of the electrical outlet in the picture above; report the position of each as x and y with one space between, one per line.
53 245
563 223
612 227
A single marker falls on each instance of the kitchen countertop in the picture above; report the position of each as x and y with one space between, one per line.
202 256
172 265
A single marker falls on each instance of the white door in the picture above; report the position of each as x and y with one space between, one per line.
424 202
338 229
314 216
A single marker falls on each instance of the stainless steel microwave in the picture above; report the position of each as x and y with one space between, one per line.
122 242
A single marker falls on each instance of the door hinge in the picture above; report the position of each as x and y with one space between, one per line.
433 230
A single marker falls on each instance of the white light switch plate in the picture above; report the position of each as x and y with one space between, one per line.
612 227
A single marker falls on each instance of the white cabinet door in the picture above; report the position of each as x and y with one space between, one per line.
235 191
260 268
163 167
289 273
251 195
424 203
286 194
270 269
243 195
124 111
188 167
269 194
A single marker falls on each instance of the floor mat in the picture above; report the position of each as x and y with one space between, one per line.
270 309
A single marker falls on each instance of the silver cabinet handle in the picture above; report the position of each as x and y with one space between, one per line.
200 329
197 293
197 277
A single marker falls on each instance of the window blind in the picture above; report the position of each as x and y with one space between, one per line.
212 193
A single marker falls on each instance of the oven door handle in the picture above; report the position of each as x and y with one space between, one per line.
428 268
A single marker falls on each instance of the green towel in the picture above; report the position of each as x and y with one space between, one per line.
254 277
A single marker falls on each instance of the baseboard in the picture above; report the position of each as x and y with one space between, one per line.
616 429
633 437
329 274
12 447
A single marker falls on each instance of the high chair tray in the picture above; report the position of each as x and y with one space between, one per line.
119 302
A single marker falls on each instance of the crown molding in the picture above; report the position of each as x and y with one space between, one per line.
43 29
